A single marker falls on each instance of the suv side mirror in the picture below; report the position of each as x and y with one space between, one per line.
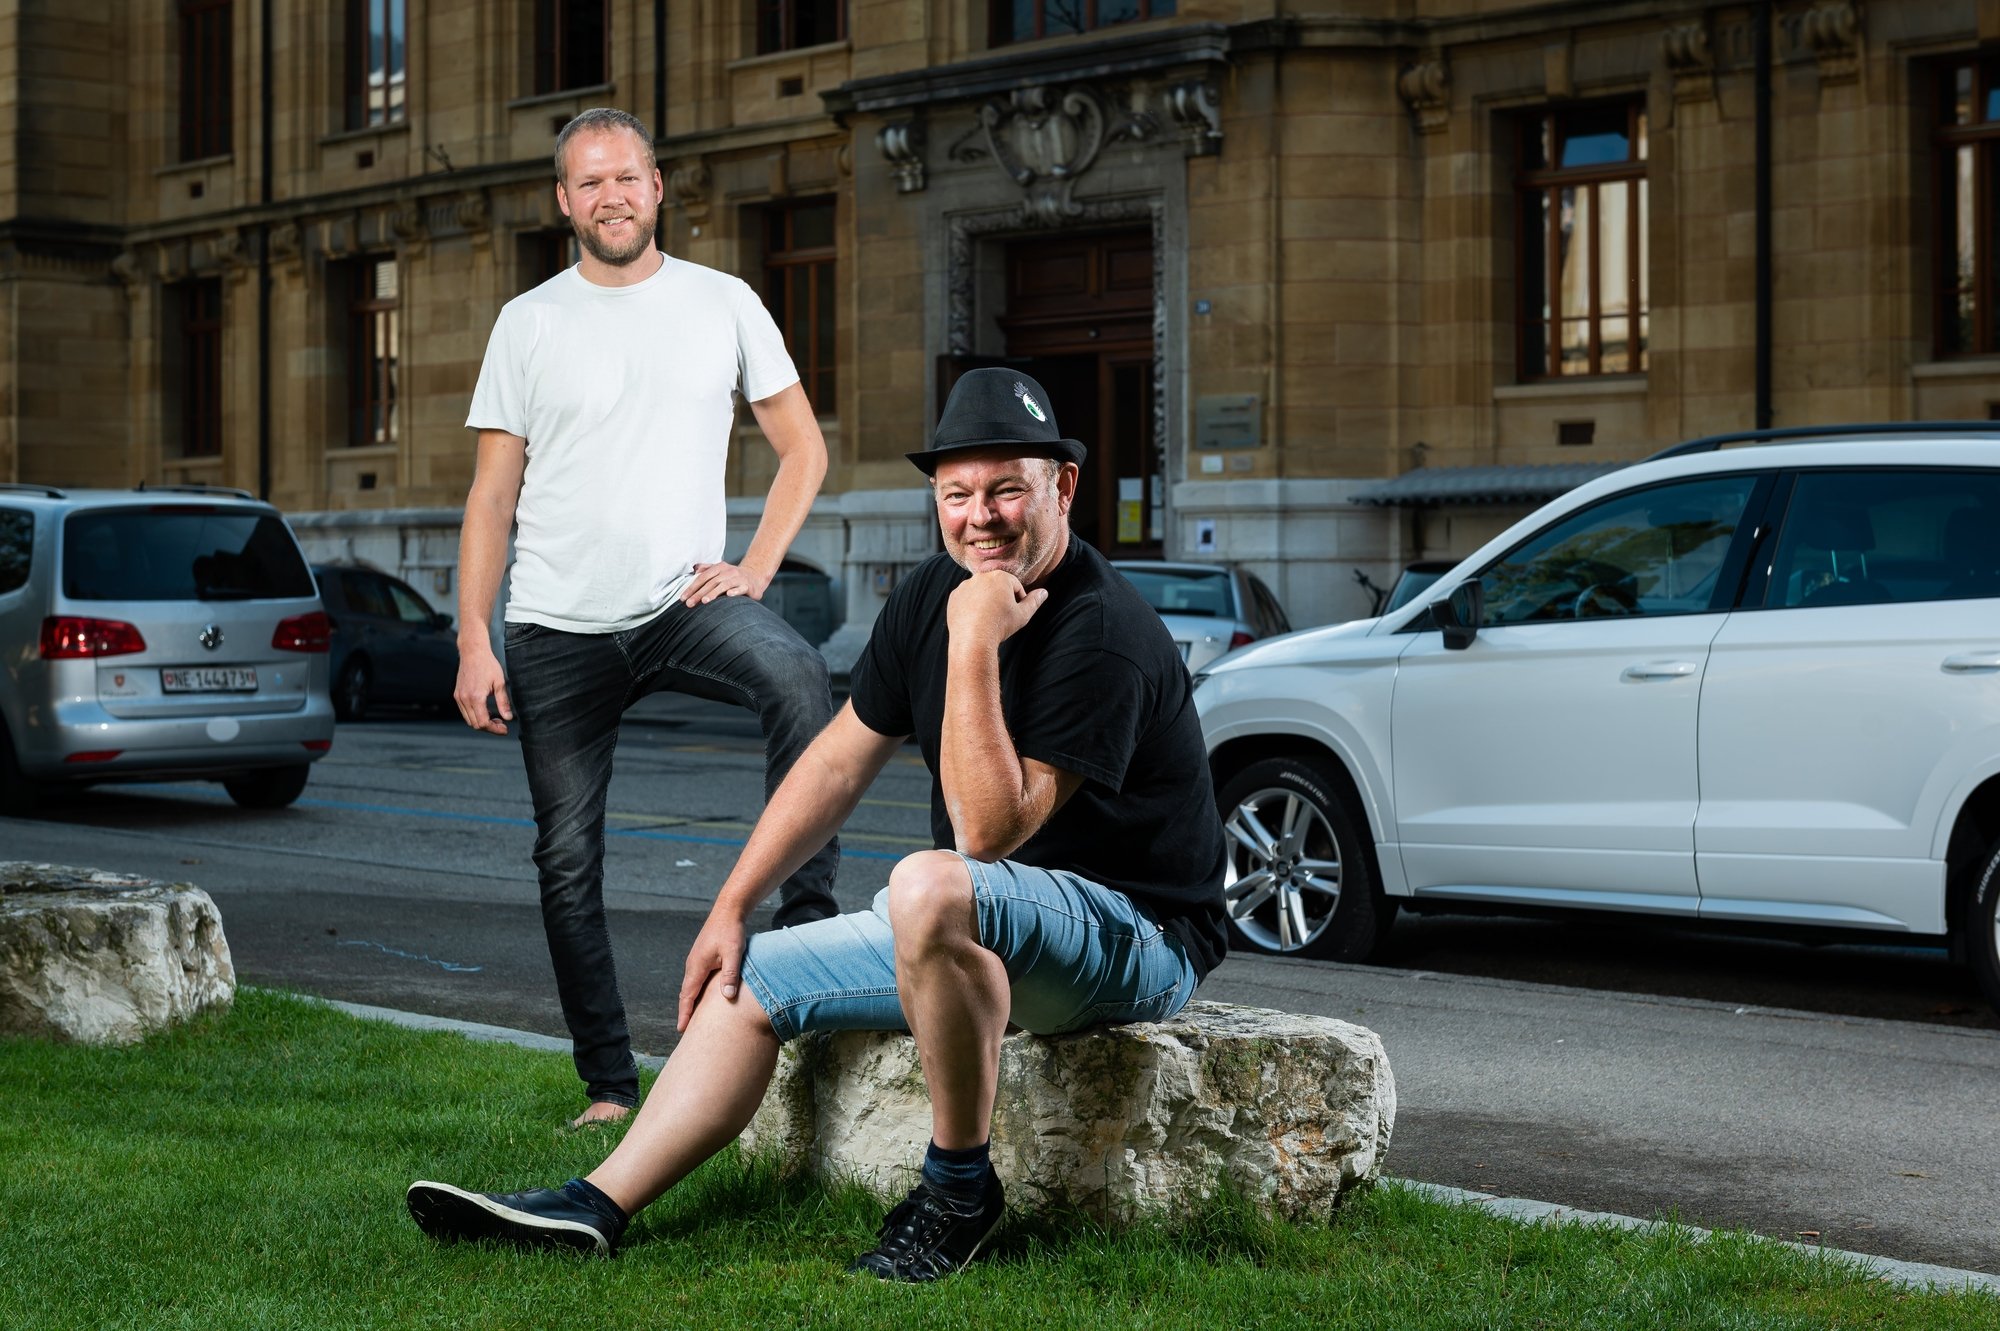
440 620
1460 614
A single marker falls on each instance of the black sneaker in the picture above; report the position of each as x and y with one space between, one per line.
538 1218
932 1233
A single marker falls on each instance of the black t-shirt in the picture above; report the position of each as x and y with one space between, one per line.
1092 685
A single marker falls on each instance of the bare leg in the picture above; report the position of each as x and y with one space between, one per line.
955 994
705 1096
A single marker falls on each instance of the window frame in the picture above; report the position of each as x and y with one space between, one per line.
1000 20
357 113
1982 137
1734 588
818 367
550 61
198 308
207 76
1539 188
366 323
786 15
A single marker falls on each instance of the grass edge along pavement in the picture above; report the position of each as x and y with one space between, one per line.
248 1170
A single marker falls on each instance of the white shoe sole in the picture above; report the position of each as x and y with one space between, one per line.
449 1213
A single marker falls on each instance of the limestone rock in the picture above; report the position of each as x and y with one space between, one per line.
1289 1110
101 958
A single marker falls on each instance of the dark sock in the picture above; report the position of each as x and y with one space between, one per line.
589 1194
962 1171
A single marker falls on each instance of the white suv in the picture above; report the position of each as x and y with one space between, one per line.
1757 685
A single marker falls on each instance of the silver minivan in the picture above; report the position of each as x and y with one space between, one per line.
164 633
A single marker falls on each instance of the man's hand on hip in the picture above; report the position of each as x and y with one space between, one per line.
480 677
713 580
717 952
988 608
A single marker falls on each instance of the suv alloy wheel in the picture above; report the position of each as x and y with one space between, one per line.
1301 877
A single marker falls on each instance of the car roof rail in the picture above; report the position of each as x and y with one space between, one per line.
23 487
192 489
1822 434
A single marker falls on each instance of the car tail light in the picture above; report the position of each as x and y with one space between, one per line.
303 633
66 637
1241 639
316 745
94 756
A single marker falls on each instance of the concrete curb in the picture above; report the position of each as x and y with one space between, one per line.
1521 1210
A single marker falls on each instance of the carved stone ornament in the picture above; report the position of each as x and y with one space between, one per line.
1198 112
902 145
1833 33
1690 58
228 248
688 186
130 270
407 222
472 212
1044 138
1426 88
284 242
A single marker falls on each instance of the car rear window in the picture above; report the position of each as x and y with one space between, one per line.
17 547
193 553
1182 593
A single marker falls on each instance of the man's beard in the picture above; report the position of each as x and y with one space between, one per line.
642 241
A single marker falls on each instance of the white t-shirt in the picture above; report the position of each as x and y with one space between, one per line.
624 397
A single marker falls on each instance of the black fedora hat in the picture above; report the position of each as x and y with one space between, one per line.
996 407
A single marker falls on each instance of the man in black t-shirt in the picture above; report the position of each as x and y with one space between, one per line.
1078 879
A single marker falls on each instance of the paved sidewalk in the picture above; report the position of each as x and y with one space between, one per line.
1916 1275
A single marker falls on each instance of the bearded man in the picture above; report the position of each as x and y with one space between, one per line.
604 411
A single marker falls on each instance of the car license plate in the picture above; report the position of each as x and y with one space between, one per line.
209 679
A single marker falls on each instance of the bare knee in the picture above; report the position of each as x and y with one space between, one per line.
930 900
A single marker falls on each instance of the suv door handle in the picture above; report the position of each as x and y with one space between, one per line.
1966 663
1659 670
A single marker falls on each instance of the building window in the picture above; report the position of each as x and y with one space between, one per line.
787 25
1025 20
798 287
376 54
205 78
1581 235
194 369
1968 209
545 254
569 44
374 350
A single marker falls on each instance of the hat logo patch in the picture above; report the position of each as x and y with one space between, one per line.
1028 401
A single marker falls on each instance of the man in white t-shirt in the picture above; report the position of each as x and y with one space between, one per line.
604 411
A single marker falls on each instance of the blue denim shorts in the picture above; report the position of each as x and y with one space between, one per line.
1076 953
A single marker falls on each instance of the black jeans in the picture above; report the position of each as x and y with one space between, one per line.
570 692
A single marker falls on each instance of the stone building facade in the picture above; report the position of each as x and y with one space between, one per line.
1326 287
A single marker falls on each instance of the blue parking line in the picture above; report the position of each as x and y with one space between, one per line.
448 815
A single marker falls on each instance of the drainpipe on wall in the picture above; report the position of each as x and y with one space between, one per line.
268 118
1761 33
659 70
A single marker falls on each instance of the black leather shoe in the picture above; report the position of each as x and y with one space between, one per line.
932 1233
562 1218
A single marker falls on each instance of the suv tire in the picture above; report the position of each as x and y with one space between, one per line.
268 787
1294 822
350 692
1982 925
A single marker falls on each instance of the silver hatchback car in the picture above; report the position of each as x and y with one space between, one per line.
157 634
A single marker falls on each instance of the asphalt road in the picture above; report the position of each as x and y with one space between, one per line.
1846 1093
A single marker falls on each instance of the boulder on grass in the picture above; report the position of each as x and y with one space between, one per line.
1290 1111
100 958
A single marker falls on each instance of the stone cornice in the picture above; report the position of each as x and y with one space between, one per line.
1162 49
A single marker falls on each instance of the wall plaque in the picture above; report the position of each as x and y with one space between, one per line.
1228 420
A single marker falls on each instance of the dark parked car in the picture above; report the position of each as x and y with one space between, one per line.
1415 581
389 646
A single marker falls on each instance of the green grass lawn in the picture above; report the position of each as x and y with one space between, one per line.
248 1171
